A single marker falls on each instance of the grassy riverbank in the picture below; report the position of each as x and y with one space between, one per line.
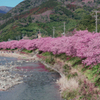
78 82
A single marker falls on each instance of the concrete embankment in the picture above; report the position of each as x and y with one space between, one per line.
48 66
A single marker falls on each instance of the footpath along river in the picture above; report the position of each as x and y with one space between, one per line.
38 82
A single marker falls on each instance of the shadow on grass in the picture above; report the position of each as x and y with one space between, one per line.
77 62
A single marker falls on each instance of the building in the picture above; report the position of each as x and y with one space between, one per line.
39 35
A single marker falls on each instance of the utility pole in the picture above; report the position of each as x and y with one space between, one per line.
53 31
64 28
96 19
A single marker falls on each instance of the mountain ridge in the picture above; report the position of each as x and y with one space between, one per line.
2 12
5 9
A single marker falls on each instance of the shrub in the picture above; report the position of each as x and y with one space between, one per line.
88 91
67 84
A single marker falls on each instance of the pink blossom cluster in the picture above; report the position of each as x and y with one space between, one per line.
83 44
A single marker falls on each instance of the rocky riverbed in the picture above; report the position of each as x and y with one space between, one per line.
37 83
7 78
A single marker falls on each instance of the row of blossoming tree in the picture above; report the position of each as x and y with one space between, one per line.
83 44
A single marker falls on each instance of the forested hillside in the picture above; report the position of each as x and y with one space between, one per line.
30 16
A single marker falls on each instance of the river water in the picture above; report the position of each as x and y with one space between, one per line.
38 82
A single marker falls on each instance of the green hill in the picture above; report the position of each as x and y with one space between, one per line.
30 16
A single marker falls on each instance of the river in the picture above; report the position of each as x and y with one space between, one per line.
38 82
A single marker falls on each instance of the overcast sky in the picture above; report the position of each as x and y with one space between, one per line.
10 3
